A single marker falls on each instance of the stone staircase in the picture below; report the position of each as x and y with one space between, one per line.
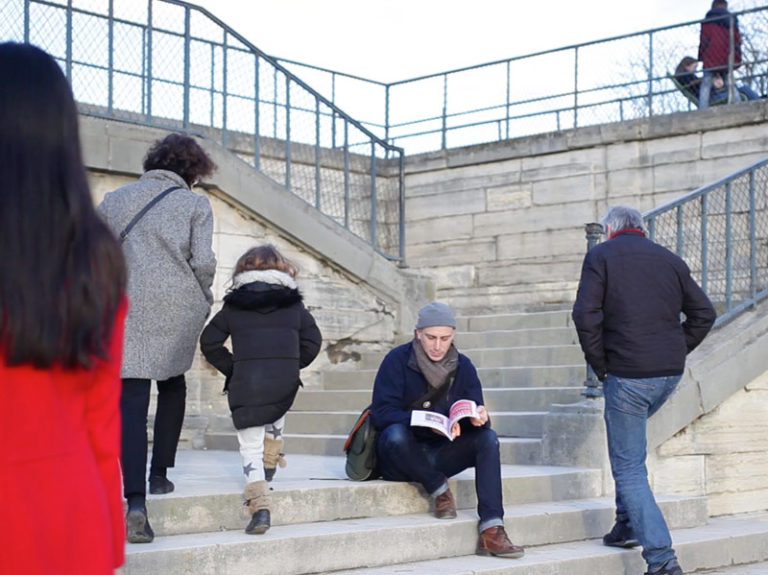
324 523
526 361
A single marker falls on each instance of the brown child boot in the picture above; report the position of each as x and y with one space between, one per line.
272 457
257 501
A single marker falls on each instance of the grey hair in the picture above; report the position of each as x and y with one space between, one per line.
621 217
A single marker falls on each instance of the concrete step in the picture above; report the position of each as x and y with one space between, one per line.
343 544
517 337
522 320
544 355
506 423
723 546
520 450
749 569
514 450
209 485
513 376
339 423
496 399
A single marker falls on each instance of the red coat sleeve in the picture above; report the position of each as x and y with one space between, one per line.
104 428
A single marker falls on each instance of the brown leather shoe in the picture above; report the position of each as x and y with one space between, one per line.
445 505
494 541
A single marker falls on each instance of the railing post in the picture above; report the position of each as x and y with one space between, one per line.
591 383
374 230
187 66
444 128
401 207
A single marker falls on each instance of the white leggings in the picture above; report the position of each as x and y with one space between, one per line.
251 441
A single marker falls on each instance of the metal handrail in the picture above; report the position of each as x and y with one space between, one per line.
721 230
608 80
174 65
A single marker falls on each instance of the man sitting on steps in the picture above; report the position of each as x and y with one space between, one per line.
429 373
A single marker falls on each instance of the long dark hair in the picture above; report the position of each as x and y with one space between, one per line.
62 273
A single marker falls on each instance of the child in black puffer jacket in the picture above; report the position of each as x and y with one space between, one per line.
273 337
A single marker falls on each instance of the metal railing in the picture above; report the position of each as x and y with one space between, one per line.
611 80
721 231
173 65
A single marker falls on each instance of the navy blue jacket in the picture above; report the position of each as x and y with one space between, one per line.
627 311
399 384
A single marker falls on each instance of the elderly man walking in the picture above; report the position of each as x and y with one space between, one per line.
628 316
429 373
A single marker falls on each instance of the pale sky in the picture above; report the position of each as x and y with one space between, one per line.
398 39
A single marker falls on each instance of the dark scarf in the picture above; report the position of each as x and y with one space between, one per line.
435 372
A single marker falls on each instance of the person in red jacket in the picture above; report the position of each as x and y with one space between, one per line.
719 39
62 307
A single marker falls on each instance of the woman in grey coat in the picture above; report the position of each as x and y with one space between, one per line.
170 271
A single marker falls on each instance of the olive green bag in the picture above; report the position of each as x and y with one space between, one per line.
360 448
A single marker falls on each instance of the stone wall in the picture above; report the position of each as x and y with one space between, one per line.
501 226
720 455
360 300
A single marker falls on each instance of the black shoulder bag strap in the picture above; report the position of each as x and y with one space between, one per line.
434 394
144 210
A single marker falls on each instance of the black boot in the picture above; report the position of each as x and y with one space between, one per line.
260 522
137 528
159 485
621 535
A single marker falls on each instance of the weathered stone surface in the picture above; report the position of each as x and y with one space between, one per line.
439 229
509 197
445 204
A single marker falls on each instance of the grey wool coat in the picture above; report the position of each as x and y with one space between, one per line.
171 265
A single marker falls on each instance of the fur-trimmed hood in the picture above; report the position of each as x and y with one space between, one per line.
263 291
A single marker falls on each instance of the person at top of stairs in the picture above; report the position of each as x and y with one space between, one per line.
631 296
273 337
429 373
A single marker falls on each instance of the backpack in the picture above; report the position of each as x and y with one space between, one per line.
360 448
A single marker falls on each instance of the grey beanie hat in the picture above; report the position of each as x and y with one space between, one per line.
434 314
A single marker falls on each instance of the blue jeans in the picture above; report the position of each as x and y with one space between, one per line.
705 88
403 456
628 405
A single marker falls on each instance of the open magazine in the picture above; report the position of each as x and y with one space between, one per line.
439 422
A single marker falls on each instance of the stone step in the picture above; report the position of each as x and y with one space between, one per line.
749 569
724 546
515 376
517 337
209 486
514 450
522 320
355 542
544 355
506 423
496 399
470 341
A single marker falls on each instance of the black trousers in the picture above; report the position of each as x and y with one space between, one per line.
134 406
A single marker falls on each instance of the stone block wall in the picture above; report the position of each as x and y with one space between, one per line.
501 226
721 455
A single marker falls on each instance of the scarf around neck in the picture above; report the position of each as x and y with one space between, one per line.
275 277
435 372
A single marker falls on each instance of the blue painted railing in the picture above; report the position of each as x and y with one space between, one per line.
173 65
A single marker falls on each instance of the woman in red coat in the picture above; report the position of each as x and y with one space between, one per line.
62 280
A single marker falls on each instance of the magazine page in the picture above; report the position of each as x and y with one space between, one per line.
436 421
460 409
439 422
